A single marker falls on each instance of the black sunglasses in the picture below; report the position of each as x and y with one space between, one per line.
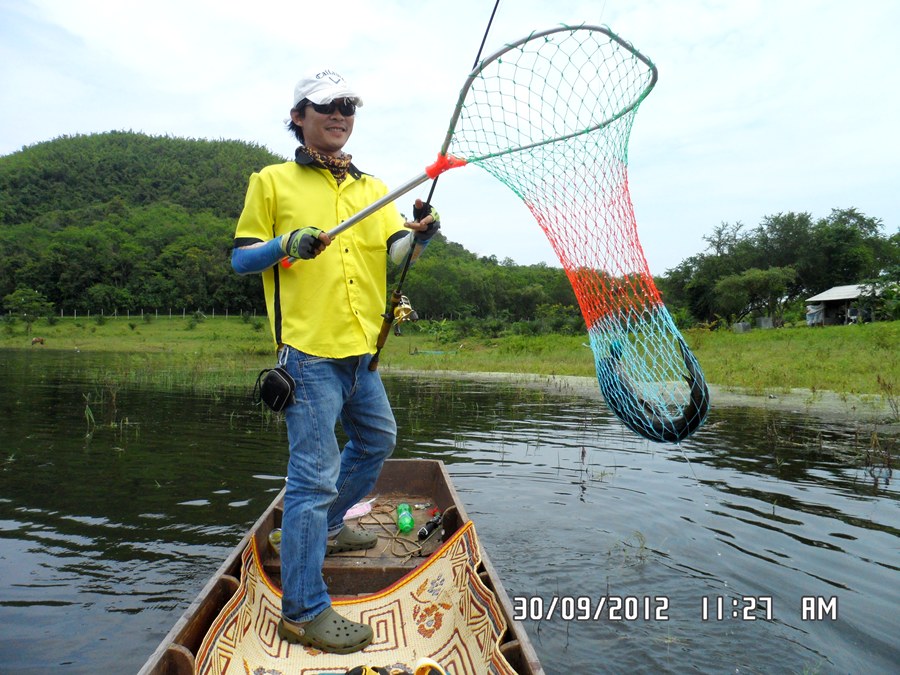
345 106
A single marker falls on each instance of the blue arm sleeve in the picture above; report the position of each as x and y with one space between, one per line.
254 259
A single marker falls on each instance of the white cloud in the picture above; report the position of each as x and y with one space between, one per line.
761 107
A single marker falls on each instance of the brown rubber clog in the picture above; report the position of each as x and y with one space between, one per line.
328 632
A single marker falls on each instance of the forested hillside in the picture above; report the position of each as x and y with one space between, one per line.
122 221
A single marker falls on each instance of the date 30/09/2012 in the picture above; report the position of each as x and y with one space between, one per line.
587 608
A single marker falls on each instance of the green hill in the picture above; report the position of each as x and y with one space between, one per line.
74 172
122 221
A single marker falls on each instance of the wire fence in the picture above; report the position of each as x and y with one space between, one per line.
171 313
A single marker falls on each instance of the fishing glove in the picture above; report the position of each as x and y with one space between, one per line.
303 243
420 212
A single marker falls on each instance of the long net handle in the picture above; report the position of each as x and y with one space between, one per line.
432 171
393 195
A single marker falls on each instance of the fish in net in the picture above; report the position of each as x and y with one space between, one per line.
550 117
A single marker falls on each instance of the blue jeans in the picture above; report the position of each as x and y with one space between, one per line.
323 481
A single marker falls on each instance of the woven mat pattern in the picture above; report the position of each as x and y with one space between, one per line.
441 610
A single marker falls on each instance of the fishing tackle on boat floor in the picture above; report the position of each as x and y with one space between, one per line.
429 527
651 419
424 666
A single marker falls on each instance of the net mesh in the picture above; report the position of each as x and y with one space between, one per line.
550 117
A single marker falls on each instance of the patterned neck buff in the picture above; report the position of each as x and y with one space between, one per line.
338 166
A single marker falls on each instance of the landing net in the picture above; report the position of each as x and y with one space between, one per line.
550 117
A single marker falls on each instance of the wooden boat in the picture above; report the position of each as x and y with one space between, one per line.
404 588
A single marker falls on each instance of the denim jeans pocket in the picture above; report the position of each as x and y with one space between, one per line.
288 354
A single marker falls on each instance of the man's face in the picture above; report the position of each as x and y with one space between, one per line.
326 133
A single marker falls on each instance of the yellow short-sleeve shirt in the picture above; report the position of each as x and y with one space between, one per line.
330 306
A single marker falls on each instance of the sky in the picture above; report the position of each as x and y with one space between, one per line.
762 106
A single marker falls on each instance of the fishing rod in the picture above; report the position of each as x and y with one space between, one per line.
396 312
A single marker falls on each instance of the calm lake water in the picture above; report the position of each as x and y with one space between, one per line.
791 522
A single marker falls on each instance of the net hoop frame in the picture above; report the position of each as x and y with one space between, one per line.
461 99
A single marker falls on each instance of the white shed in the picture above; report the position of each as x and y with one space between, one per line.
838 305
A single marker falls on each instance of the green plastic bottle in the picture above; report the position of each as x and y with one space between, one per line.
405 520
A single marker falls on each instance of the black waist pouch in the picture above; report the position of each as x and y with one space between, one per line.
275 388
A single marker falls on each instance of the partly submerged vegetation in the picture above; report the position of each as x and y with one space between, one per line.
210 352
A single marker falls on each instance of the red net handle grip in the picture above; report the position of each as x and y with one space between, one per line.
442 164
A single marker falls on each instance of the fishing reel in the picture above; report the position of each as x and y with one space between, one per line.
403 312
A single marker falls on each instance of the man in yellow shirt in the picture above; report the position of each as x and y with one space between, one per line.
325 314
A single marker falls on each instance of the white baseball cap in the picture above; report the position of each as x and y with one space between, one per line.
323 87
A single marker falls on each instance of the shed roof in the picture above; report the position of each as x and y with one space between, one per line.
851 292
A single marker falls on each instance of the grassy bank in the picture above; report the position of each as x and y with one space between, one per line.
861 360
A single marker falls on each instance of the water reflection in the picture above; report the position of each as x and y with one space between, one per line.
114 526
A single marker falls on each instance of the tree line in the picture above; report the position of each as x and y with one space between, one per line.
126 222
771 269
